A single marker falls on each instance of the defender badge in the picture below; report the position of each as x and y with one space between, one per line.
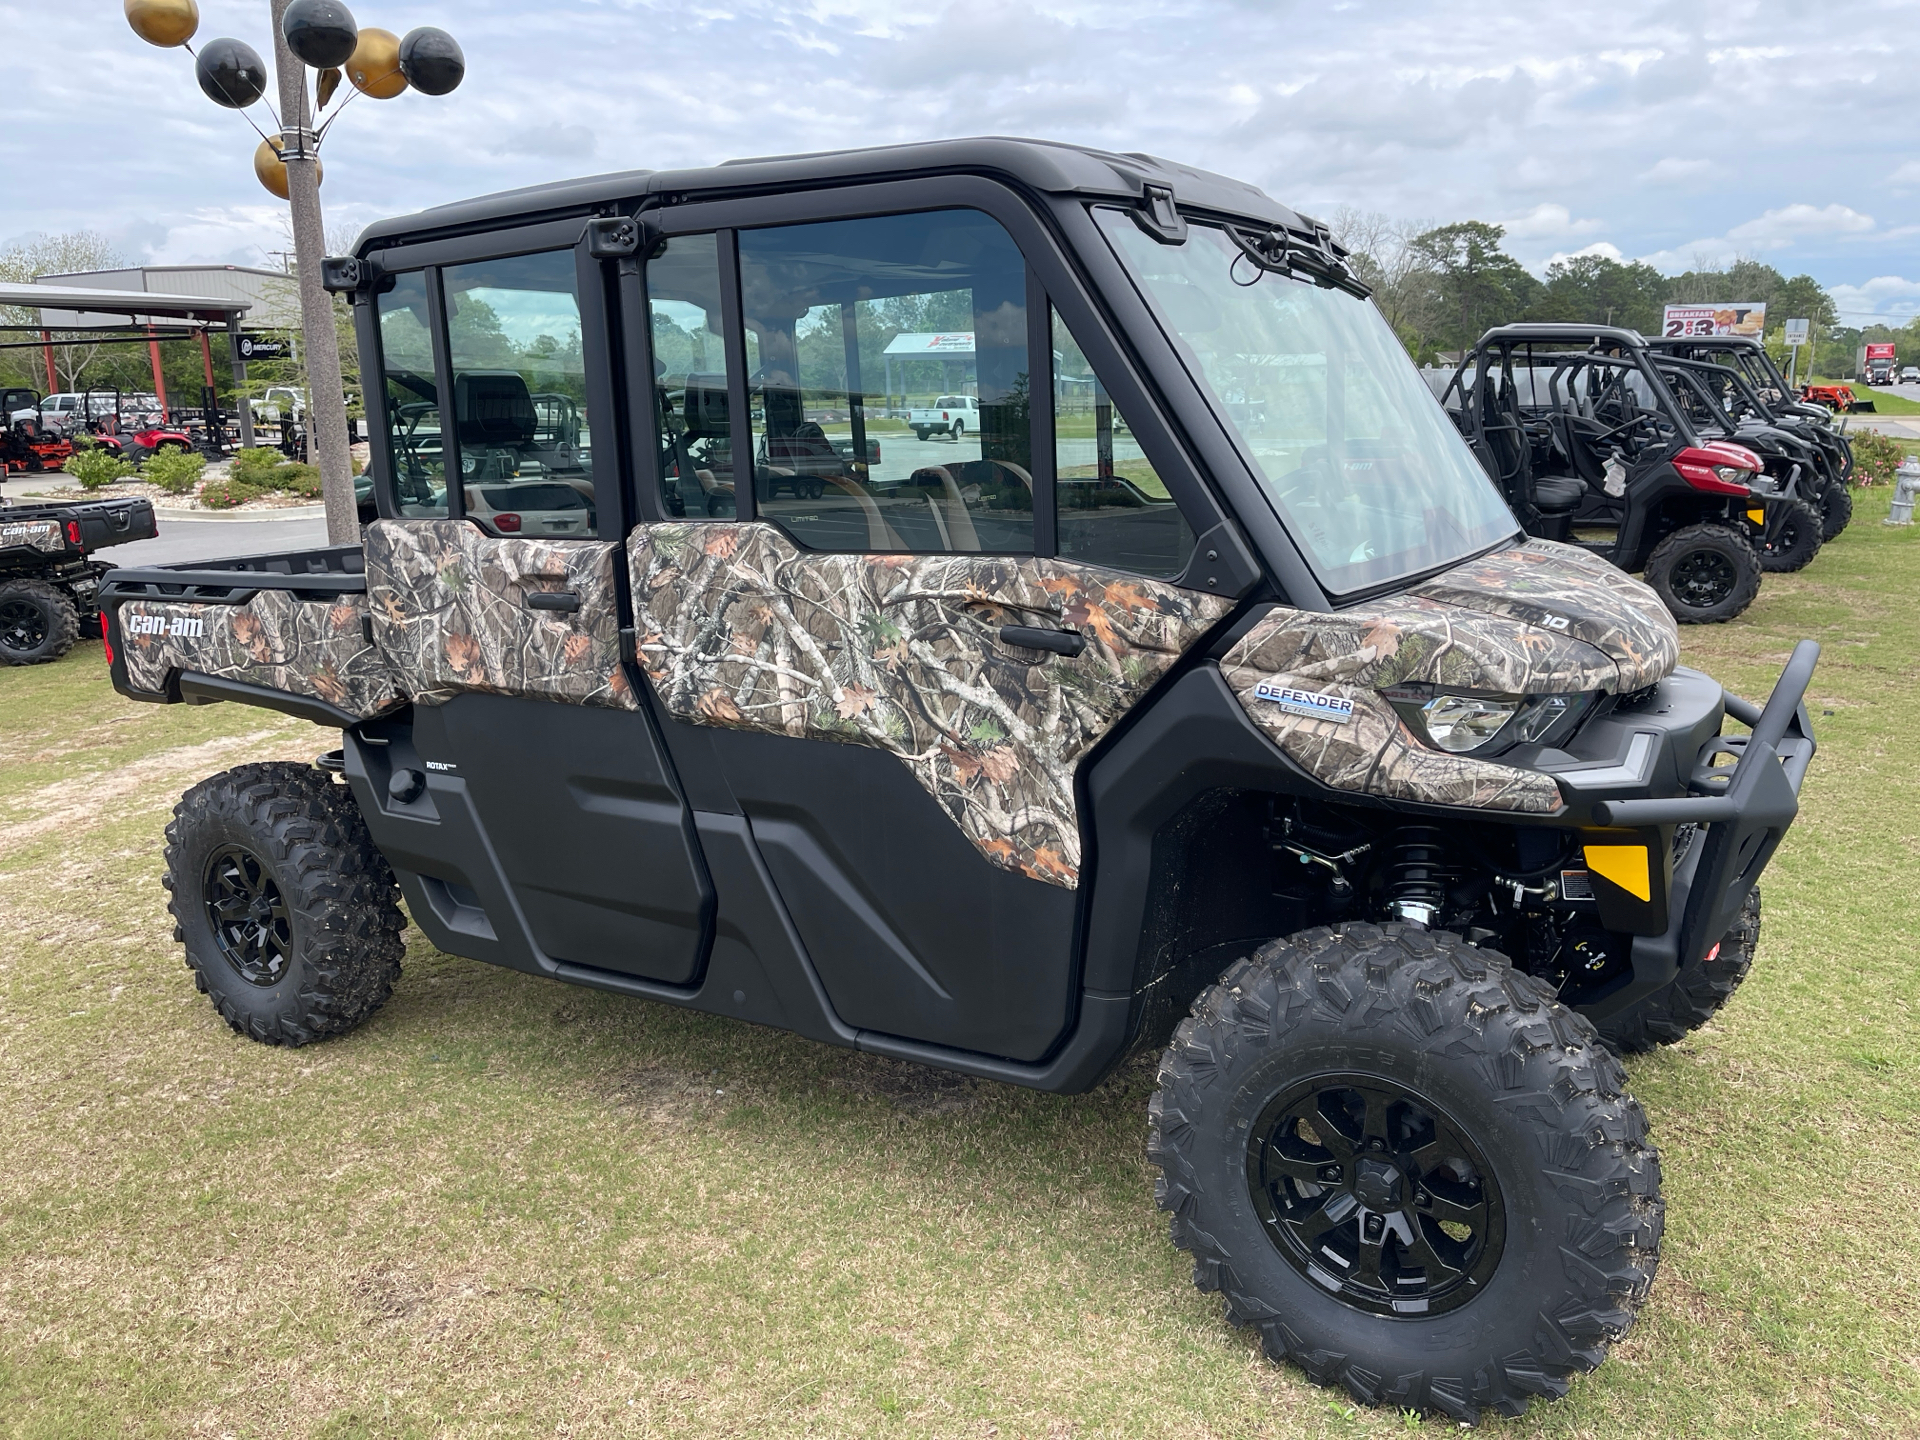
1313 704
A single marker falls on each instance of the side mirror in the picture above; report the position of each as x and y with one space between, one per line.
341 275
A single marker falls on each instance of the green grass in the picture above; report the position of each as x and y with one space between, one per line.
506 1207
1885 402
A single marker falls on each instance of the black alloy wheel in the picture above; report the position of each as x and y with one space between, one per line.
1704 578
247 915
23 625
1373 1193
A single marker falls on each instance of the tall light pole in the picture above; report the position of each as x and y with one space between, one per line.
320 34
326 394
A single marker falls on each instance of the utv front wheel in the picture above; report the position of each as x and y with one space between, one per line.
1417 1174
287 911
1694 996
1836 508
1704 574
1794 540
37 622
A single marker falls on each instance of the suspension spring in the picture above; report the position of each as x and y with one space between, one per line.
1415 888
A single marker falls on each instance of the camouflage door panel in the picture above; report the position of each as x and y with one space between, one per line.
276 639
739 628
450 608
46 536
1574 593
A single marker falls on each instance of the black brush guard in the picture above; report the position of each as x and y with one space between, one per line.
1743 811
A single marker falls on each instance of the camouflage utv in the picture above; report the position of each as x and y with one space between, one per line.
1209 698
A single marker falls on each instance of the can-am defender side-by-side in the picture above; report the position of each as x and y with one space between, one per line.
1793 481
48 582
1748 358
1206 696
1584 437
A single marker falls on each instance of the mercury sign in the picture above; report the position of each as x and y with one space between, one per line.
252 349
1732 318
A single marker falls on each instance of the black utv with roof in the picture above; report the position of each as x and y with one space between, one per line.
1208 698
48 582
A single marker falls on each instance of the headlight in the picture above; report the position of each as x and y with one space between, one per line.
1465 722
1735 476
1462 723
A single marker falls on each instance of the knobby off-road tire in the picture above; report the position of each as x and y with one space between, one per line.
1704 574
1836 508
1513 1117
1694 996
38 622
1797 539
288 913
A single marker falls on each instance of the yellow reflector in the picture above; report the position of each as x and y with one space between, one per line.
1625 866
1759 517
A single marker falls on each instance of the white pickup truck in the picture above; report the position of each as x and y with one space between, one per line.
955 415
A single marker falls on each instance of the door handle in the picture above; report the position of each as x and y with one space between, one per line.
565 600
1060 642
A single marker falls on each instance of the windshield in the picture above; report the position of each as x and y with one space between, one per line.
1351 447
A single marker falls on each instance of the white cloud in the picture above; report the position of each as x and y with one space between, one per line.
1885 297
1673 170
1570 127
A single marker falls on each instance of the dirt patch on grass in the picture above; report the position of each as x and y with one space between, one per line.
914 1089
153 782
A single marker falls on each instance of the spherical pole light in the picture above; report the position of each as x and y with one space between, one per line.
432 61
231 73
166 23
320 32
374 66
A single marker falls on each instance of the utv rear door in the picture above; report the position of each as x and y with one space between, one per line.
496 584
891 655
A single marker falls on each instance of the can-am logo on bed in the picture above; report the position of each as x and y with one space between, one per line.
188 627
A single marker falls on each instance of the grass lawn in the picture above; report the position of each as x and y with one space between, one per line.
506 1207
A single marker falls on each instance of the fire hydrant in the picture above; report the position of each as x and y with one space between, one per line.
1906 485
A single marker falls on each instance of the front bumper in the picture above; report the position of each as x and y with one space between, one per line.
1743 810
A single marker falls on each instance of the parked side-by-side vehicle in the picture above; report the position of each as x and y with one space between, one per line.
1208 698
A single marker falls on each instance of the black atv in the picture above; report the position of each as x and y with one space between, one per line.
1762 381
1585 438
1793 487
1220 708
48 583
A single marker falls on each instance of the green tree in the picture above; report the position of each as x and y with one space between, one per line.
1596 290
1478 284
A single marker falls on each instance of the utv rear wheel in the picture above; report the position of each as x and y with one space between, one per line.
1694 996
1704 574
37 622
1836 508
288 913
1794 540
1417 1174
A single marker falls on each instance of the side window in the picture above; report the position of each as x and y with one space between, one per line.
888 369
691 412
418 461
1112 508
520 395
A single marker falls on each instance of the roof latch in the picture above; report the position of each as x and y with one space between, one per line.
341 274
614 237
1160 217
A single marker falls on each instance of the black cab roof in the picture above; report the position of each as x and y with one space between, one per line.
1045 166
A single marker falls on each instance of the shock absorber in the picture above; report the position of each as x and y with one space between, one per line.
1416 873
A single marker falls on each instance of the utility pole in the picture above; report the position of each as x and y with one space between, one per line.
326 405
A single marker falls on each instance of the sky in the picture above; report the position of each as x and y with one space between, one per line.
1671 132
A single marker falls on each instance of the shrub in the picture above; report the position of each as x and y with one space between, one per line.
295 479
1875 457
96 466
175 471
225 494
250 466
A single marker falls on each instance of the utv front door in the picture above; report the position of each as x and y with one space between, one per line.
883 656
495 585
